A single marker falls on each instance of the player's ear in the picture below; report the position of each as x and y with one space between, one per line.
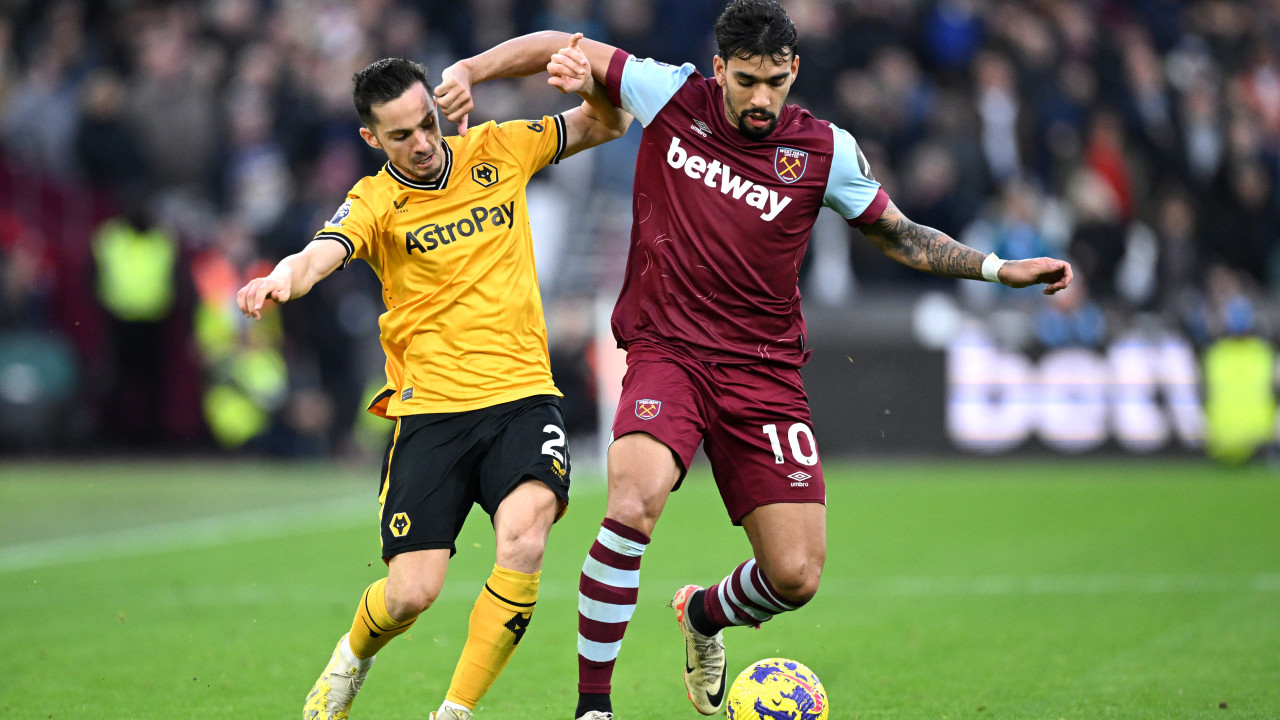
717 64
370 138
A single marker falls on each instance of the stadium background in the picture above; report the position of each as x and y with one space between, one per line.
155 154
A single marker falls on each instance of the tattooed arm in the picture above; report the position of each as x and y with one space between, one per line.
924 248
921 247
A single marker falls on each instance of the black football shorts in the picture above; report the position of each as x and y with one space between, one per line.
439 464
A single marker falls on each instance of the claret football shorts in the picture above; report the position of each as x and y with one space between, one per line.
440 464
752 420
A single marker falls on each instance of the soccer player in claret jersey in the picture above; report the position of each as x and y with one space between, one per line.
445 226
728 182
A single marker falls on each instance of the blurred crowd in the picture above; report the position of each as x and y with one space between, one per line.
156 154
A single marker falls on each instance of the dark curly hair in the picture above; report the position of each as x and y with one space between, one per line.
752 28
383 81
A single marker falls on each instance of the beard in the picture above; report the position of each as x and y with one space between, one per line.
757 133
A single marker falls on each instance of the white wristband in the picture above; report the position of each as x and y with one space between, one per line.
991 268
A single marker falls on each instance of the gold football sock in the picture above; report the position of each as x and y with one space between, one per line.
373 627
498 622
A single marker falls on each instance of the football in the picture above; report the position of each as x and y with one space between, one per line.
777 689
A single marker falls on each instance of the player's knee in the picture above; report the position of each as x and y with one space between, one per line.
408 602
521 530
636 511
797 583
522 551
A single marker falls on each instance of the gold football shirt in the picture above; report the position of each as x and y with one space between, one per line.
464 327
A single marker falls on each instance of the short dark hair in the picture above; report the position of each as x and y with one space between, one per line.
383 81
751 28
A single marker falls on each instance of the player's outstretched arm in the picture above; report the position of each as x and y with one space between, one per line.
518 57
596 120
924 248
292 277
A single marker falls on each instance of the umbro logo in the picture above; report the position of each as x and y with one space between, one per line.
799 478
700 127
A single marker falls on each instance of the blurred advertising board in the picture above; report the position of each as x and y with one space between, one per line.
1135 395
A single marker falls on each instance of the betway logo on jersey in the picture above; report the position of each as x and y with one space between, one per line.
720 176
433 235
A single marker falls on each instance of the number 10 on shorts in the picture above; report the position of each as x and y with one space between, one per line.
793 439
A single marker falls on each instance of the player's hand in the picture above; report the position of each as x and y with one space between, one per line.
570 71
1055 274
255 293
453 95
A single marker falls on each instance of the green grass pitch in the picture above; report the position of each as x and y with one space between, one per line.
961 589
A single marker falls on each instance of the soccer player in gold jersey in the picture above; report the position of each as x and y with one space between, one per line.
445 226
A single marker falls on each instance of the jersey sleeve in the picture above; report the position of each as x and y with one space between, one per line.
642 86
851 189
353 225
534 144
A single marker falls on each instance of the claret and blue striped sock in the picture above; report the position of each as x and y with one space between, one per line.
607 592
745 597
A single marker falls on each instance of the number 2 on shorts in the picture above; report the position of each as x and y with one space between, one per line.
549 447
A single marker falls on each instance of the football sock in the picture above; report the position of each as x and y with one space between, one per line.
453 705
698 615
498 621
374 627
344 647
745 597
607 592
592 701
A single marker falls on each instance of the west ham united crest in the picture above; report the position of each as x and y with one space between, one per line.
790 163
648 409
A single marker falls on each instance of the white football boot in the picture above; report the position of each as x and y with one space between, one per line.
703 658
451 713
331 697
